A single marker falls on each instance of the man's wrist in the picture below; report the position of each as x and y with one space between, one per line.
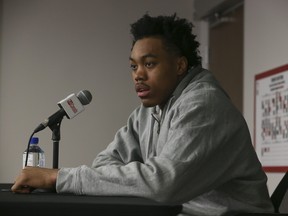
54 177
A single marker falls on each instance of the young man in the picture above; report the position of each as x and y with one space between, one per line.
186 143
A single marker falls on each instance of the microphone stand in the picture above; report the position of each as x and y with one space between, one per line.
56 138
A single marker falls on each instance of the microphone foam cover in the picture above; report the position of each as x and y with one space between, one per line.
84 97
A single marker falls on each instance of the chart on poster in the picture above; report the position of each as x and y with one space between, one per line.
271 119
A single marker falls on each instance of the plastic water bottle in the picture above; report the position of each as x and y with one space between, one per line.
36 155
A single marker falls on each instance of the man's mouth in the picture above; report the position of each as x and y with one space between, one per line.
142 90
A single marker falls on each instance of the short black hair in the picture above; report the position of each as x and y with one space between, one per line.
176 33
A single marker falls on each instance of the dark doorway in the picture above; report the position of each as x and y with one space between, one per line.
226 52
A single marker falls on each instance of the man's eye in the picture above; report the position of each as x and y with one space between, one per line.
133 66
150 64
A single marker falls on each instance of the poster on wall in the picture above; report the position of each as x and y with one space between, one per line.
271 119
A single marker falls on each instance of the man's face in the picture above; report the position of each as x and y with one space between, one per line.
155 71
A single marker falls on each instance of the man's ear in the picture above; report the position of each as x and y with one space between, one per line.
182 64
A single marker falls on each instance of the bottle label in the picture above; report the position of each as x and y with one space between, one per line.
34 159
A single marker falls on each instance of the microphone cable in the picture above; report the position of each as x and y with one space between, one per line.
28 147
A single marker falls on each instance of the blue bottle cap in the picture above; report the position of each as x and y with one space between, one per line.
34 140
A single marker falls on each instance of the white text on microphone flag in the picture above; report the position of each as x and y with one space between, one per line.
71 105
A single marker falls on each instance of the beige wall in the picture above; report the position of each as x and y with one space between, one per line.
265 47
51 48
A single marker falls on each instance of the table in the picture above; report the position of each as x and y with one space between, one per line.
49 203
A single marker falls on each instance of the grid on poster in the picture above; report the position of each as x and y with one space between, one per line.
271 123
274 124
274 127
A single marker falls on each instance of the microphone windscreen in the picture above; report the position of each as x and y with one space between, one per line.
84 97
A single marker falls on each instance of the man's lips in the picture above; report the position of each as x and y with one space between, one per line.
142 90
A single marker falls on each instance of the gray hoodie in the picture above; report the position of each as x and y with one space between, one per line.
197 151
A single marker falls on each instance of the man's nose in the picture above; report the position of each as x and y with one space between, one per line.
140 74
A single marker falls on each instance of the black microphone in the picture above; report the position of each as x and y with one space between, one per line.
69 107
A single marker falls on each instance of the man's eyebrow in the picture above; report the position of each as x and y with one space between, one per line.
145 56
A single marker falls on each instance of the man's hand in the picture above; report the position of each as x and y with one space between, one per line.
31 178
